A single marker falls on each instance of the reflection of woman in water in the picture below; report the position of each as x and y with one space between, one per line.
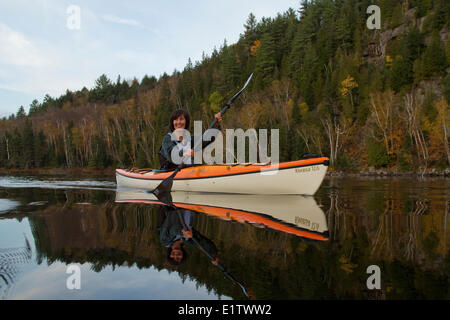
173 236
175 227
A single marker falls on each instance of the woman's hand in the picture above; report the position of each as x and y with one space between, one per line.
189 153
216 260
187 233
218 116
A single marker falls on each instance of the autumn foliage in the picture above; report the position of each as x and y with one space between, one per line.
321 77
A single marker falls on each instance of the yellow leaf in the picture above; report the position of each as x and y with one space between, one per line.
303 108
254 48
389 61
347 85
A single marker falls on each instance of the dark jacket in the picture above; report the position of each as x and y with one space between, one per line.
164 153
170 230
170 226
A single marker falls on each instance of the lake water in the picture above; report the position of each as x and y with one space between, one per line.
57 236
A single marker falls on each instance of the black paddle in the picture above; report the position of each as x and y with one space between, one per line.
166 184
227 106
225 272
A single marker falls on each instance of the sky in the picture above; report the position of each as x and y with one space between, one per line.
49 46
35 281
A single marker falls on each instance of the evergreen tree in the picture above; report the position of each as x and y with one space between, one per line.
117 90
296 115
434 59
15 149
40 150
278 31
326 36
446 89
230 67
148 83
377 155
34 107
21 112
187 93
344 32
308 74
165 105
304 5
423 6
428 108
286 45
414 44
134 88
305 36
401 73
3 150
47 103
103 90
265 64
28 145
124 91
250 28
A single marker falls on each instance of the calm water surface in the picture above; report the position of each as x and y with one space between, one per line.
287 247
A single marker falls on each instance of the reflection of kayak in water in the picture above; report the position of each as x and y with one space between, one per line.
292 214
295 177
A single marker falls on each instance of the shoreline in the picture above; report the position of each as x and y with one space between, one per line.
110 173
71 172
380 173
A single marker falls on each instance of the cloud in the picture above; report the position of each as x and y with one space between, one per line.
16 49
130 22
39 54
49 282
115 19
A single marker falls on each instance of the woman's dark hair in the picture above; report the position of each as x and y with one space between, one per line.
173 262
175 114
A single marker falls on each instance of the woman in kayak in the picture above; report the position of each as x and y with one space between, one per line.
173 235
179 121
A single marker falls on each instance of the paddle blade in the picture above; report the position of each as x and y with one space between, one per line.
240 91
166 185
166 198
248 80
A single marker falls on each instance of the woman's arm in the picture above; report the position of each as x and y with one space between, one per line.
167 147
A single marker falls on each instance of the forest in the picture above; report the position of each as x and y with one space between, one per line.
364 98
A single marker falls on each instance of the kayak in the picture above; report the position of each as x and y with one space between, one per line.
295 177
293 214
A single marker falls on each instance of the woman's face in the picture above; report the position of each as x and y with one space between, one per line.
176 255
179 123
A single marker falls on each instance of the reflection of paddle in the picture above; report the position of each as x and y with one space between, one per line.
166 184
225 272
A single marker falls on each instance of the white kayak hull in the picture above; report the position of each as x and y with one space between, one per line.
298 211
301 180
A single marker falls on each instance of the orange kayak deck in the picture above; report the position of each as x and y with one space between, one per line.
243 217
221 170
